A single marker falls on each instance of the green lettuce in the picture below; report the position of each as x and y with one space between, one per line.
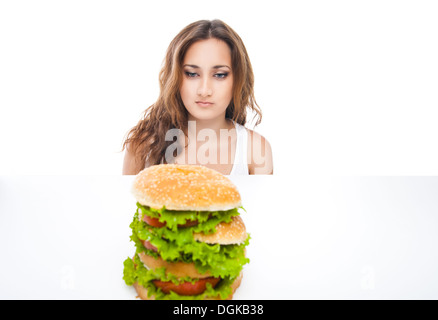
135 272
173 218
219 260
175 243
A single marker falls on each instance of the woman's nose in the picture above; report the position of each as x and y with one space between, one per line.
204 88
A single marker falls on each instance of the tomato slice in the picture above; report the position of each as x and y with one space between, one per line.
186 288
149 246
154 222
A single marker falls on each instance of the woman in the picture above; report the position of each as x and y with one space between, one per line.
206 87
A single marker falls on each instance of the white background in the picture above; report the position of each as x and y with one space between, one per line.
319 238
346 87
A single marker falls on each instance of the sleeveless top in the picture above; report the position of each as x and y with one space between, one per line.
240 166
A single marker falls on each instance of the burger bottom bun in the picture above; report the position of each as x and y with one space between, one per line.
143 292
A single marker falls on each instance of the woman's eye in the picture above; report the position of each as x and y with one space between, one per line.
191 74
217 75
221 75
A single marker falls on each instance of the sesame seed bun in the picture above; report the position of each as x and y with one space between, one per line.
233 232
185 187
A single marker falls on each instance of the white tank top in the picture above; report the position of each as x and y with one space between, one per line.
240 166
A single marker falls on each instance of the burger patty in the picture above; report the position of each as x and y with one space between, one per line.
179 269
186 288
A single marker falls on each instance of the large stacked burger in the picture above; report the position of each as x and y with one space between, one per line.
190 239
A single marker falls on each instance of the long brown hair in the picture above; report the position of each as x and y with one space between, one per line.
147 139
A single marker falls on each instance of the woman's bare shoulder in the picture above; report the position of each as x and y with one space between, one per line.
131 163
259 154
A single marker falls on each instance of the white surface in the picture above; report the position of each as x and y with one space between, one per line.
66 237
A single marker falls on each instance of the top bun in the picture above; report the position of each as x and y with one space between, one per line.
185 187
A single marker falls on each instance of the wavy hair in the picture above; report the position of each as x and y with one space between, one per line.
147 139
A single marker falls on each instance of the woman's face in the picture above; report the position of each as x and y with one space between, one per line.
207 85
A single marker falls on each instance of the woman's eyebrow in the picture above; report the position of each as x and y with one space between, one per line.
197 67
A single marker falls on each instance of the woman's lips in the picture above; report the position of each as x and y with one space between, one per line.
204 103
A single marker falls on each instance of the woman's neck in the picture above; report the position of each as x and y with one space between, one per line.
196 125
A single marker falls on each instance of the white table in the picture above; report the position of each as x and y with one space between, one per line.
66 237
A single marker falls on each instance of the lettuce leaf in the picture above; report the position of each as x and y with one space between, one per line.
174 218
134 271
220 261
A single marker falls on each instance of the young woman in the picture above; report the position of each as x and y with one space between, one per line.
206 88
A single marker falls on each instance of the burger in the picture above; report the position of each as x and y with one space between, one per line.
190 239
